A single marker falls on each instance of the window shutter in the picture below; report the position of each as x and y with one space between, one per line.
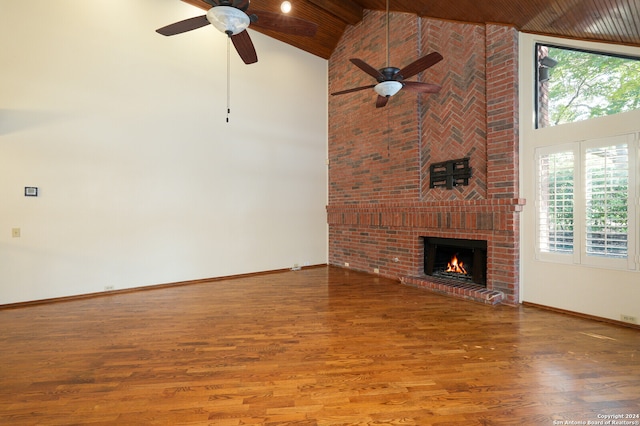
555 202
606 180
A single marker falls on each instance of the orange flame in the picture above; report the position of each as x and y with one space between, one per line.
456 266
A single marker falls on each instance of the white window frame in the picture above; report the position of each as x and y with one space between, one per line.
579 255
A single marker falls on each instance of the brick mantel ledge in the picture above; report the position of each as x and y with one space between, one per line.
474 214
515 203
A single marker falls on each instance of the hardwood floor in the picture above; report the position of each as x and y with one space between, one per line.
321 346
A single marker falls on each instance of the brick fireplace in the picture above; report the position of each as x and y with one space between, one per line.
381 205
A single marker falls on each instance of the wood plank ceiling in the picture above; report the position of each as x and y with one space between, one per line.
612 21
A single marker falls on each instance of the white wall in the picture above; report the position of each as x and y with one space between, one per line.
605 293
141 180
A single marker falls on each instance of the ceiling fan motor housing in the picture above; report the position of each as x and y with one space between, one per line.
390 73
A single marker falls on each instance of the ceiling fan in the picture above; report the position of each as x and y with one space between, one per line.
233 17
391 79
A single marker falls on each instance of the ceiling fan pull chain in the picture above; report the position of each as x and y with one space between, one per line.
388 136
228 77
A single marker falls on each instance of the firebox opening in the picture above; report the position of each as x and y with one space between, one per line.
456 259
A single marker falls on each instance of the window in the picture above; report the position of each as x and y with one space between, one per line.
606 200
555 201
575 85
585 202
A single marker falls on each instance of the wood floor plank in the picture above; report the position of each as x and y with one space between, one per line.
321 346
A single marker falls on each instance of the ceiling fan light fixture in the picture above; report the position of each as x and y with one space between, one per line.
388 88
228 19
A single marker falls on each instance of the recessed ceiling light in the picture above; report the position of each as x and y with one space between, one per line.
285 7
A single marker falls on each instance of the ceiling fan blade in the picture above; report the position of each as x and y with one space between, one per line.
283 23
418 87
357 89
420 65
244 46
184 26
367 68
382 101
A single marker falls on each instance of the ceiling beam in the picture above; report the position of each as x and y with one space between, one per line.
346 10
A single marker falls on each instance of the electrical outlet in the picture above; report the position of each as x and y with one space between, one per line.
108 288
376 270
629 318
296 267
346 264
15 232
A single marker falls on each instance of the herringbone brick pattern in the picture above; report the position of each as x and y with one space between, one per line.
454 122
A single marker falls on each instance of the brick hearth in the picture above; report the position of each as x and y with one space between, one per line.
462 290
380 202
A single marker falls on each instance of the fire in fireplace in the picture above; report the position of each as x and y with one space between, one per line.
455 266
456 259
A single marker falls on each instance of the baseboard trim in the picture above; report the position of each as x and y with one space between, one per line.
30 303
581 315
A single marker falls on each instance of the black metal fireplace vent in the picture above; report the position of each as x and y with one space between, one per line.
449 173
456 259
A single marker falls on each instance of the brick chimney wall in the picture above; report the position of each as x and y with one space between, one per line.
380 203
